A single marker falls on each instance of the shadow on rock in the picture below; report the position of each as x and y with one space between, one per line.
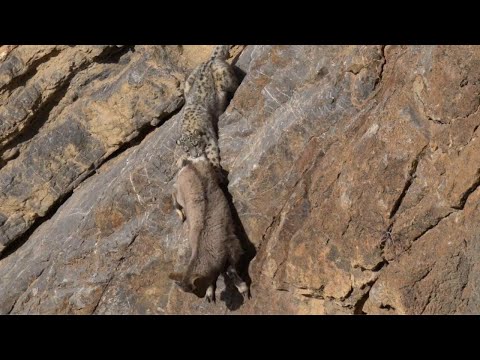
232 297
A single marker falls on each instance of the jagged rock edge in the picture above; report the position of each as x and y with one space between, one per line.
43 111
21 79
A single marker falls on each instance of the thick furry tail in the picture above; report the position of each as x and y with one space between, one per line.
220 52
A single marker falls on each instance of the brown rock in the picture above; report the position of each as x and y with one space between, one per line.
354 171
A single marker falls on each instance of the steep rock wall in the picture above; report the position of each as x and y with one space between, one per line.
353 171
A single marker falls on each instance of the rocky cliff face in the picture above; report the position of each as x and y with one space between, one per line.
353 171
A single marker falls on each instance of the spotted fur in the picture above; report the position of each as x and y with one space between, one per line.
206 91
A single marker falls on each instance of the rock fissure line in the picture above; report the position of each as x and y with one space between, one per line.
35 122
358 306
468 192
26 289
382 67
40 111
13 246
429 228
21 79
120 261
408 182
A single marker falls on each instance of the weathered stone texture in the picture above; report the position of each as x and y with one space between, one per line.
354 171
